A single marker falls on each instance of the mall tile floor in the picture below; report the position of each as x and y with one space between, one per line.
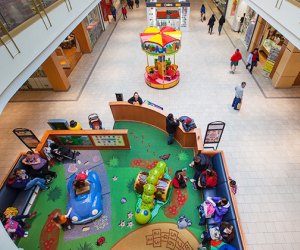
261 142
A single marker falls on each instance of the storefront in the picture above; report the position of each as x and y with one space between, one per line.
242 19
168 13
270 45
94 24
221 5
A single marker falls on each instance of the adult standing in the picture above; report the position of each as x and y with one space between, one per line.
113 12
137 3
221 22
241 22
135 99
252 60
211 23
124 12
234 60
171 126
239 91
202 12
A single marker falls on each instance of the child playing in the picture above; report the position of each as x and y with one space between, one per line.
180 179
63 221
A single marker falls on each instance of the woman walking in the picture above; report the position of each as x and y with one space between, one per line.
252 60
211 23
124 12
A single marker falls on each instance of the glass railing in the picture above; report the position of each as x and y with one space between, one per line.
15 12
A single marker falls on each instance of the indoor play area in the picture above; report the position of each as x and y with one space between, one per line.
117 188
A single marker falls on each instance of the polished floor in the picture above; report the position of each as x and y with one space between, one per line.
261 142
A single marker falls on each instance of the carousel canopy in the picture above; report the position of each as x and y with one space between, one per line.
156 41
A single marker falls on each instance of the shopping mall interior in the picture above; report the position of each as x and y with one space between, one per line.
98 57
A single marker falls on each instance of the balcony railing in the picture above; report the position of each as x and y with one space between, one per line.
15 12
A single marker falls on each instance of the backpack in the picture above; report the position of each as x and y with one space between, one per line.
187 123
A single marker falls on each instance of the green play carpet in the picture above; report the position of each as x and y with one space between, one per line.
122 166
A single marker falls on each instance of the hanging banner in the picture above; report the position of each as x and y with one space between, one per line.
27 137
214 133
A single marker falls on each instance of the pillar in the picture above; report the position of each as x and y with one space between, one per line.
257 34
82 37
55 73
288 68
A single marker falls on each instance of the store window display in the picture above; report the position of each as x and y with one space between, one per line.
94 25
270 48
174 13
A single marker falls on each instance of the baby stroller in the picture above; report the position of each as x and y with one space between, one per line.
95 122
59 152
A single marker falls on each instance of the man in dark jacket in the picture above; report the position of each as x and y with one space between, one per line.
136 99
221 22
171 126
211 23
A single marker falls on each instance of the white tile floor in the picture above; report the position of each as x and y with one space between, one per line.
261 142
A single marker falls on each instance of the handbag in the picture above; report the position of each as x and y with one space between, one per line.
204 18
239 105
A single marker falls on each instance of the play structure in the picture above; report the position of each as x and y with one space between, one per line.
161 43
85 199
153 189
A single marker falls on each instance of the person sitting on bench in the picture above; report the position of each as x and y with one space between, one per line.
24 183
221 206
38 166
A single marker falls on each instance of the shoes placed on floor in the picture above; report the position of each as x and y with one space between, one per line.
192 180
184 169
49 180
33 214
47 188
25 234
191 164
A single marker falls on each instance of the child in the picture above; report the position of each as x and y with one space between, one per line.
80 179
233 185
180 179
63 221
14 229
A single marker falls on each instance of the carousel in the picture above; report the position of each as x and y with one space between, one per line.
162 44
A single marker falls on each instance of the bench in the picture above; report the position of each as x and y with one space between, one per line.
223 190
20 199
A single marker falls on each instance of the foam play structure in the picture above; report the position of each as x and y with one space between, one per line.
160 43
153 191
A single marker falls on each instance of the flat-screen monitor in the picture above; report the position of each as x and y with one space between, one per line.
119 97
58 124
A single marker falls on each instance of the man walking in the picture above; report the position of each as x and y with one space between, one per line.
234 60
239 91
221 22
171 126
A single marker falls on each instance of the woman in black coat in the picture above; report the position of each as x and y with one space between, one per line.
136 99
211 23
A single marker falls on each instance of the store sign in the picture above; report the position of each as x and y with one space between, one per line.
27 137
153 4
214 133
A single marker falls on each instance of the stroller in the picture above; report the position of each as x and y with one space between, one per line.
95 122
59 152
